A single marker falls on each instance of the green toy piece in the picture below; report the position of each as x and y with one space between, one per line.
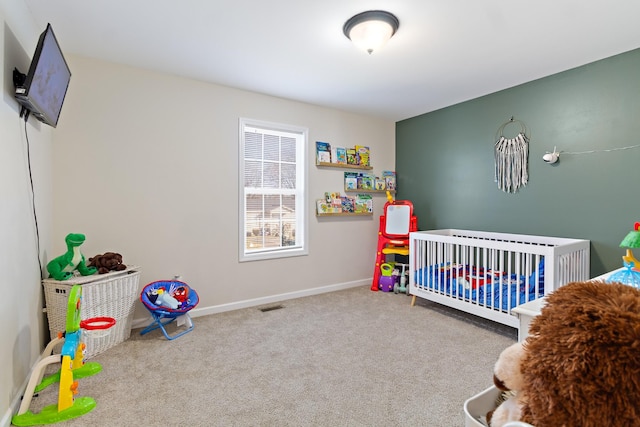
62 267
50 414
88 369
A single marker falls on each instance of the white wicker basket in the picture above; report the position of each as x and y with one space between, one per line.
105 295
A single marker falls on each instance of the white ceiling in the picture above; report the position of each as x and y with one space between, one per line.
445 51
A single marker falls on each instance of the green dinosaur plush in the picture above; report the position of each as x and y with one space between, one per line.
62 267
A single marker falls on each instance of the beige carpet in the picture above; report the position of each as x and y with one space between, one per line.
347 358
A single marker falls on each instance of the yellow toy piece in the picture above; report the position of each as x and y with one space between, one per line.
386 269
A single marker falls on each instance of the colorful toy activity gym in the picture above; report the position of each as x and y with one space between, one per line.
72 368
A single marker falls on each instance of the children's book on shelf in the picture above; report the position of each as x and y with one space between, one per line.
380 183
351 180
334 201
341 155
352 158
390 180
365 181
323 152
322 206
362 154
364 203
348 204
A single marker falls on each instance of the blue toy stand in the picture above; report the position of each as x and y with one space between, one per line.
168 300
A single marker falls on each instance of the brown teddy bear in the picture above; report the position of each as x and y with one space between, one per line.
581 360
109 261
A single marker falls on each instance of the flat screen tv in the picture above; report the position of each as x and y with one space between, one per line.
43 89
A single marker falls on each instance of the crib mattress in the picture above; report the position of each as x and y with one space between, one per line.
490 288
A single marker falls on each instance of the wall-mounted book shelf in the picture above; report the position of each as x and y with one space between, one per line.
335 204
342 166
357 157
345 214
363 182
350 190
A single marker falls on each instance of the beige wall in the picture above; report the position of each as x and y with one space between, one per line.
146 164
23 323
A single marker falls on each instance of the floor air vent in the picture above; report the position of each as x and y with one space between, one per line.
274 307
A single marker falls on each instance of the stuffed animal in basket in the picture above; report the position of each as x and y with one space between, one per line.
109 261
62 267
507 377
580 364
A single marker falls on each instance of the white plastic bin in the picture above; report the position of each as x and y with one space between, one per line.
476 408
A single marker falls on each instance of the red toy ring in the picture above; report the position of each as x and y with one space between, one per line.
97 323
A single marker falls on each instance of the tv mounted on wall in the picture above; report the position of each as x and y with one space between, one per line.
42 90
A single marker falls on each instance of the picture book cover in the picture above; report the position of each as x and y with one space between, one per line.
389 179
323 152
350 180
352 158
364 203
365 182
348 204
322 206
363 155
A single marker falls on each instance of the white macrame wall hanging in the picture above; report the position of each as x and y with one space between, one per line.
511 159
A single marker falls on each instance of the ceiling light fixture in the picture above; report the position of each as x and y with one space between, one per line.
371 30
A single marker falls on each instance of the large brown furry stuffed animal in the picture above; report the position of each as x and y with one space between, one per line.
582 361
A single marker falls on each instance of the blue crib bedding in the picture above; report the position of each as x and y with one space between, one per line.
485 287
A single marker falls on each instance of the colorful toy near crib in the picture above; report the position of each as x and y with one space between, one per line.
402 280
387 279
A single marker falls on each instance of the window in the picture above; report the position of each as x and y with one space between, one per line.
273 179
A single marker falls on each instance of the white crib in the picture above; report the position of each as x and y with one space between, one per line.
487 274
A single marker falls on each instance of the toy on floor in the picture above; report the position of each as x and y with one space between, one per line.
168 301
71 369
402 281
387 279
62 267
580 364
396 223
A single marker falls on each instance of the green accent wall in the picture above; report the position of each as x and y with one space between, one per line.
445 159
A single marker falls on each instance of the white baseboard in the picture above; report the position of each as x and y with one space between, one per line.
204 311
17 399
6 419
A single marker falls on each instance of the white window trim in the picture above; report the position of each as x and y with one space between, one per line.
301 199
